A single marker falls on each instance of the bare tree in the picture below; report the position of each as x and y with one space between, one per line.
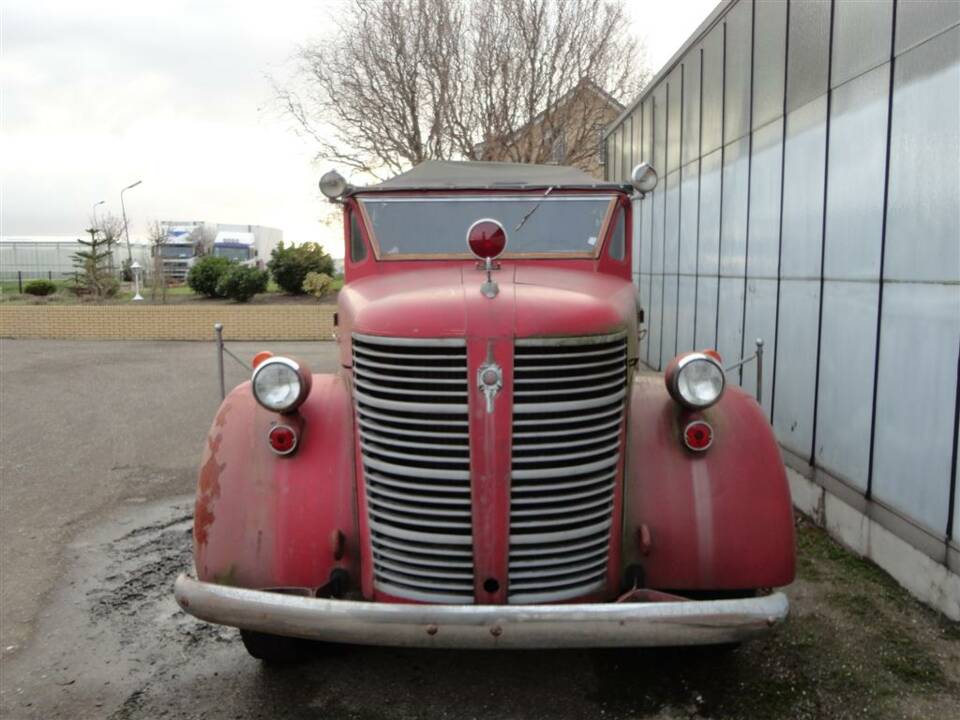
397 82
158 280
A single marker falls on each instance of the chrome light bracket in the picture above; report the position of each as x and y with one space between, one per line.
490 287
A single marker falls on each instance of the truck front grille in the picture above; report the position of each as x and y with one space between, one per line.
411 399
568 410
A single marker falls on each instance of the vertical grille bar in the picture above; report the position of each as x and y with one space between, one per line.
568 404
411 397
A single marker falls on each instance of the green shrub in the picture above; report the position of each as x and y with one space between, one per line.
204 277
290 265
241 283
317 284
40 288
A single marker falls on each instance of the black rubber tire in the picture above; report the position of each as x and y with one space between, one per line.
273 649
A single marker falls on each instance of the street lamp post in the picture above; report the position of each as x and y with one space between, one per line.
101 202
123 210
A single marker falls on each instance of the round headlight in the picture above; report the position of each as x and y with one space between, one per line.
280 384
696 380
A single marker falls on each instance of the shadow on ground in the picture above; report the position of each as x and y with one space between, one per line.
114 644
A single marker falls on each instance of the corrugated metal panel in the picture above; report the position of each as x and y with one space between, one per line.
760 322
654 321
803 190
917 376
796 364
712 113
809 55
660 129
691 108
856 174
709 261
685 310
626 150
674 119
730 322
736 106
637 157
845 396
689 210
733 226
764 248
668 341
920 20
924 180
769 38
861 37
671 222
705 335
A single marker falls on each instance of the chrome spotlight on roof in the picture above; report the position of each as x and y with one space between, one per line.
643 178
333 184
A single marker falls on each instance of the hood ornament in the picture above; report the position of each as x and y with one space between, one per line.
487 240
490 379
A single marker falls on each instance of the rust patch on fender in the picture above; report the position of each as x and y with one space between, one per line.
208 488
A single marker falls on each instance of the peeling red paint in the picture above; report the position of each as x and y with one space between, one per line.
208 488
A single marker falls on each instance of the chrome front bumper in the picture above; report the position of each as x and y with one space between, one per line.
626 624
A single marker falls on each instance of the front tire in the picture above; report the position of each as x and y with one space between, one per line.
273 649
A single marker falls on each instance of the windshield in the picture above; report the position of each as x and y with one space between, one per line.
232 253
437 225
176 251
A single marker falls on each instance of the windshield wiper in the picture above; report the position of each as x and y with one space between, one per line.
532 210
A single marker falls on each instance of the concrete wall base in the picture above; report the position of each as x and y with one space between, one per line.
927 580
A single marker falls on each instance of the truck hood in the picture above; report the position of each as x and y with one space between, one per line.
446 302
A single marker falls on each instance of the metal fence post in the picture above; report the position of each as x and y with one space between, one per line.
20 281
218 329
760 371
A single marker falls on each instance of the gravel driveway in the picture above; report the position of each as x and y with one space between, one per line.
97 462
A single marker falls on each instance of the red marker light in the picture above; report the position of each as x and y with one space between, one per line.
698 436
283 439
487 239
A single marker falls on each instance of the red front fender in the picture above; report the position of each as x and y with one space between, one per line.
266 521
721 519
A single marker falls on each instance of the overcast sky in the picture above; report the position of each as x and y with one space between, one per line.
101 93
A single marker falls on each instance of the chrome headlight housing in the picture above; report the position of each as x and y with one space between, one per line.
280 384
695 380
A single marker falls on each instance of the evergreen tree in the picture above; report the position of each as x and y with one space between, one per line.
93 264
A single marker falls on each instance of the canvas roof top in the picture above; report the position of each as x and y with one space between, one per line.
475 175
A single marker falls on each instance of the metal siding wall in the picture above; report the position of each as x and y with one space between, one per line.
770 34
671 253
861 37
736 78
920 323
784 233
708 260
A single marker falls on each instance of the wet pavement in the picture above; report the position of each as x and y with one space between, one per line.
105 638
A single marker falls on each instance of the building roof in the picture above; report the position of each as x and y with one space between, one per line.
475 175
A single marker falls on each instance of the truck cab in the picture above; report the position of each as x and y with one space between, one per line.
240 247
490 466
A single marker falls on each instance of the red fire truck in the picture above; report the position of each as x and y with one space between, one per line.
490 467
